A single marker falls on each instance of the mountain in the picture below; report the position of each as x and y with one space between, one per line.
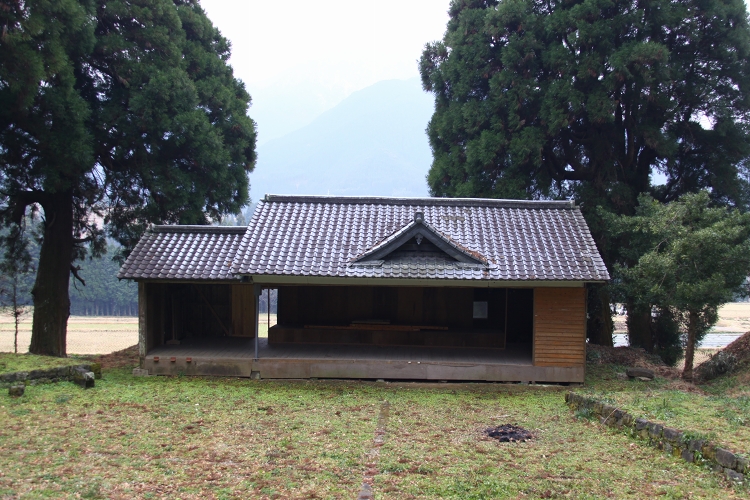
372 143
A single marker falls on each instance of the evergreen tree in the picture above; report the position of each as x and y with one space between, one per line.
691 259
16 267
121 111
590 99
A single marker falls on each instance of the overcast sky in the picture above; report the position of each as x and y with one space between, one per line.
299 58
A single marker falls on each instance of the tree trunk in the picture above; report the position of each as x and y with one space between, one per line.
639 327
599 326
51 299
687 372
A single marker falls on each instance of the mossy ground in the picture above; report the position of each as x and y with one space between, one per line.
26 362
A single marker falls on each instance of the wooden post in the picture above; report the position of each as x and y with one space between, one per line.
505 328
257 292
142 322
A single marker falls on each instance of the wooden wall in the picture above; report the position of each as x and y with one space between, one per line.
243 311
560 327
190 311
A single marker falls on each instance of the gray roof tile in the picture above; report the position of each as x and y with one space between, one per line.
184 253
323 236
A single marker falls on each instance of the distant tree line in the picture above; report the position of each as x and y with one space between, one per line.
103 294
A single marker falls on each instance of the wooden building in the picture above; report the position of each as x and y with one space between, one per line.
372 288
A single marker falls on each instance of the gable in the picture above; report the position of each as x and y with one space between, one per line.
419 241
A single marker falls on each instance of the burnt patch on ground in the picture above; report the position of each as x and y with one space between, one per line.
508 433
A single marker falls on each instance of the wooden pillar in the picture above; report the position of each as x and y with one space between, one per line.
257 291
142 322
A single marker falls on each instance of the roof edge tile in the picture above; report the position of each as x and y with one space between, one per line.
447 202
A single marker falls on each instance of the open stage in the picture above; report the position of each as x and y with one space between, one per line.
235 357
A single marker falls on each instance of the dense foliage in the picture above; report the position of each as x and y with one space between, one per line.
691 258
118 112
592 99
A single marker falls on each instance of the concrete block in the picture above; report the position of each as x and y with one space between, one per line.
140 372
83 377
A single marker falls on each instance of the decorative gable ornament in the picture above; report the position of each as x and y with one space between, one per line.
391 248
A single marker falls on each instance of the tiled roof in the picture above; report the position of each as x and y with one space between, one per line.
319 236
184 253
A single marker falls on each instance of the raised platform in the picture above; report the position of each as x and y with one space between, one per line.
233 357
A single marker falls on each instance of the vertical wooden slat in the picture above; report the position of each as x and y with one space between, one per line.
142 321
559 327
243 311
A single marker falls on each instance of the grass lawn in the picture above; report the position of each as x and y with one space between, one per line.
183 437
720 411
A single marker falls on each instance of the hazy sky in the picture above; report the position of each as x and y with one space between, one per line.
299 58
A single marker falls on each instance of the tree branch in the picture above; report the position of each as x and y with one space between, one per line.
74 270
19 201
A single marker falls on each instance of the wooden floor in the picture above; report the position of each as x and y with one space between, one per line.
234 357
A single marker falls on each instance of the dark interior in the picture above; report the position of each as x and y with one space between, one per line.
190 311
449 317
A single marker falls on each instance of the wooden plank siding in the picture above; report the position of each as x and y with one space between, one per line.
243 311
559 327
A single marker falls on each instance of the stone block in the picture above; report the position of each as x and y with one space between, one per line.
667 447
708 450
639 373
672 435
16 390
627 419
726 458
688 456
734 475
140 372
641 423
82 377
743 465
655 430
695 445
